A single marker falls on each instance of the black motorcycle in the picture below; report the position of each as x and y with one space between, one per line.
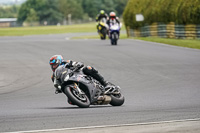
83 90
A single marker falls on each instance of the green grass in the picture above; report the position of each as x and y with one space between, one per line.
39 30
87 37
122 36
21 31
89 27
177 42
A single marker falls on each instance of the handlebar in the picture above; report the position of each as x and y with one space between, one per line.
74 70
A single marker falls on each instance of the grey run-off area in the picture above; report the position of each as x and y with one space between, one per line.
160 82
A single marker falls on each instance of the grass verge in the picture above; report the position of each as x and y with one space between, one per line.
122 36
89 27
21 31
176 42
41 30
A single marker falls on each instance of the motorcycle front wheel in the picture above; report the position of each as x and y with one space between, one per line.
76 98
114 38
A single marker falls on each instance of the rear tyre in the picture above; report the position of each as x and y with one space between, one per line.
80 100
102 38
104 34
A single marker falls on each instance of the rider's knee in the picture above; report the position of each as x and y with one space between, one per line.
89 69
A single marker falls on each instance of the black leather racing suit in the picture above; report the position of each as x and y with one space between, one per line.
100 16
88 70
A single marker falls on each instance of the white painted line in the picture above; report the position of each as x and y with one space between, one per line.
104 126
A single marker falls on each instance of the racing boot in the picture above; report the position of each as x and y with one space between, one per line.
57 86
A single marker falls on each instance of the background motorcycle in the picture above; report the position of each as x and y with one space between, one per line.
83 90
114 32
102 28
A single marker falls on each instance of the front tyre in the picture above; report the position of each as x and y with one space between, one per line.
115 38
76 98
117 100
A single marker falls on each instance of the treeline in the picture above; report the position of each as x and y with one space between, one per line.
9 11
162 11
55 11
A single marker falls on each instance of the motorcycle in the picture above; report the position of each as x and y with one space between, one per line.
102 28
114 32
83 90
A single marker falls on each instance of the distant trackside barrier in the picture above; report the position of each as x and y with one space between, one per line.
166 31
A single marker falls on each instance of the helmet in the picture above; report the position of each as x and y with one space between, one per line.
55 61
102 12
112 14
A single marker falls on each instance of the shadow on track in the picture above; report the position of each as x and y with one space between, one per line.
76 107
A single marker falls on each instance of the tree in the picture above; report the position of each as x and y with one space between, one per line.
32 16
92 7
9 12
54 11
46 10
72 7
49 12
119 6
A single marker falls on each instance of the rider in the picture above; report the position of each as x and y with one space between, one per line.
112 18
101 15
57 60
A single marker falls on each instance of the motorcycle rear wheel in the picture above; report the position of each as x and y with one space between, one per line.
78 99
103 34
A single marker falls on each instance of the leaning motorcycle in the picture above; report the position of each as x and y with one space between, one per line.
114 32
102 28
83 90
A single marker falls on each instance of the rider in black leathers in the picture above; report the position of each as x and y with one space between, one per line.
101 15
57 60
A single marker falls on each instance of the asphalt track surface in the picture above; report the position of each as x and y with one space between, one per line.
160 82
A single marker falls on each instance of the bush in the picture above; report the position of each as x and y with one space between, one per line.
162 11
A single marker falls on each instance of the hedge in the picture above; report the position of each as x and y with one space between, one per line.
162 11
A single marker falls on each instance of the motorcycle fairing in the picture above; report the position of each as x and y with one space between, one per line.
91 86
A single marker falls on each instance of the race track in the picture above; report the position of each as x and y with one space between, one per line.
159 82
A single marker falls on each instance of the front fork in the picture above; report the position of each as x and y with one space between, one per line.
78 89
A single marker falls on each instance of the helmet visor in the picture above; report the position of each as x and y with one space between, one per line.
53 64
